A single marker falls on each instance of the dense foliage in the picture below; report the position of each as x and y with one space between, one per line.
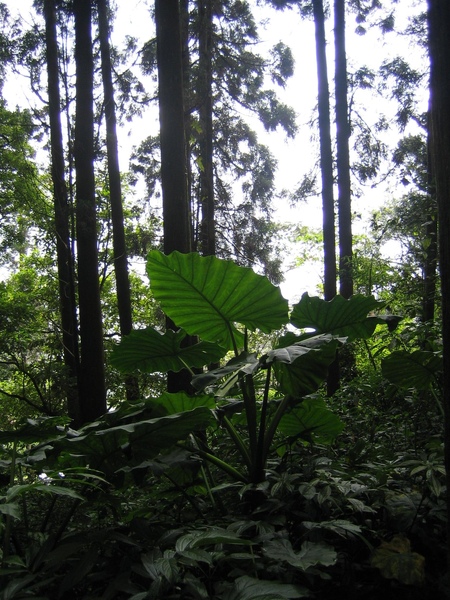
255 485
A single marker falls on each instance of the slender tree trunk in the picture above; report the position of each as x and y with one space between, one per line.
343 153
439 48
326 157
207 229
93 393
326 167
187 103
62 209
176 213
115 190
431 253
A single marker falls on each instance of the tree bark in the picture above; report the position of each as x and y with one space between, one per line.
115 190
187 103
207 229
431 252
326 167
64 254
176 210
176 213
93 393
326 157
439 49
343 154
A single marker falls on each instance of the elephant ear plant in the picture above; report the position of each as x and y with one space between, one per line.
258 400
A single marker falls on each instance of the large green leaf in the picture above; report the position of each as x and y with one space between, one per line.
300 367
205 296
35 430
417 369
209 537
310 555
147 438
345 318
249 588
113 443
396 561
181 402
311 418
149 351
245 362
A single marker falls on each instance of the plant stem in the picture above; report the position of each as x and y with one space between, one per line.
249 396
262 422
230 470
438 402
274 424
8 520
238 441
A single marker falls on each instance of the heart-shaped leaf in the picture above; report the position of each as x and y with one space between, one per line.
308 366
417 369
206 296
148 350
345 318
311 418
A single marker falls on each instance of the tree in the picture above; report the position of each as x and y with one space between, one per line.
176 213
92 365
439 48
65 260
207 237
343 153
326 169
242 217
326 157
115 188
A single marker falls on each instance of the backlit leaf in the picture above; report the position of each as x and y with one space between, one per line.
205 296
149 351
345 318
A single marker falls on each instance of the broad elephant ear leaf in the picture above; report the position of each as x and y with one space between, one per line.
341 317
311 419
148 351
206 296
419 369
181 402
301 366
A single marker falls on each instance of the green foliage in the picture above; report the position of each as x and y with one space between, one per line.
210 298
214 294
33 379
20 196
254 486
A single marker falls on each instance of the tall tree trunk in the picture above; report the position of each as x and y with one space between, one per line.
187 102
176 213
343 153
115 190
326 167
439 48
207 229
64 255
431 253
326 156
93 393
